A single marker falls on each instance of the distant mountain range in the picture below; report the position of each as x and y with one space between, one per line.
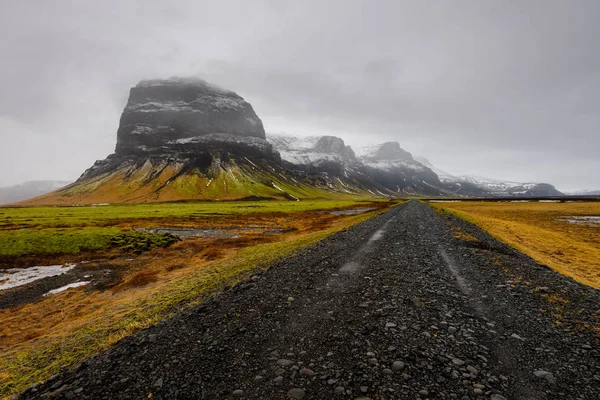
495 187
27 190
583 193
185 139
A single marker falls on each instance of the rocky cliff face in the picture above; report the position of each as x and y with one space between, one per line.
162 112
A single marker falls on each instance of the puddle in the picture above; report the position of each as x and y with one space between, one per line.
14 277
63 288
354 211
186 232
588 220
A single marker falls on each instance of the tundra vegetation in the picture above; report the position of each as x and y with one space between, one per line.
562 235
137 275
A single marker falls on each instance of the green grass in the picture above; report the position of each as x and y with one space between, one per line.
21 242
21 369
94 216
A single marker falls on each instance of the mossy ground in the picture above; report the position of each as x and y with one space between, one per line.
44 242
39 338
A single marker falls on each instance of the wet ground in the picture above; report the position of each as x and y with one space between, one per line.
588 220
394 308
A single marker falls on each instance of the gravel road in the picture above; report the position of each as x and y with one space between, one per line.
394 308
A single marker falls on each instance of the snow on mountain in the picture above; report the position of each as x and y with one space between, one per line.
496 187
443 175
387 157
311 150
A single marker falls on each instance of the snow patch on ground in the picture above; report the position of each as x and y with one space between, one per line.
589 220
14 277
66 287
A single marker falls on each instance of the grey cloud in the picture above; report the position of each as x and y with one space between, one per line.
508 89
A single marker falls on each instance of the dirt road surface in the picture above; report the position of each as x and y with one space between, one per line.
394 308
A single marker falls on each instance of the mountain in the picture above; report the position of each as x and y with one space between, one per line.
166 112
185 139
28 190
495 187
397 170
384 169
311 150
328 159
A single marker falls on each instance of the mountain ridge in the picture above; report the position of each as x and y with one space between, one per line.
186 139
497 187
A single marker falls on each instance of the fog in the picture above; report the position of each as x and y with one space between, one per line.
492 88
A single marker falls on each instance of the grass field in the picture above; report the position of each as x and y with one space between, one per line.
557 234
109 215
70 230
39 337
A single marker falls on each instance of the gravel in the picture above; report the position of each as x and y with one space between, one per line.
394 308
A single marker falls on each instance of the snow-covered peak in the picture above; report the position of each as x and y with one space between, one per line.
388 156
309 150
385 151
491 185
443 175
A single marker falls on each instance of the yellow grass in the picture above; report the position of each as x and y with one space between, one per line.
539 230
37 339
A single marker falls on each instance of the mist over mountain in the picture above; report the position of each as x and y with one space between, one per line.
495 187
186 139
27 190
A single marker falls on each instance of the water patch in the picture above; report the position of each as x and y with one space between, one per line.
186 232
549 201
14 277
354 211
587 220
63 288
445 201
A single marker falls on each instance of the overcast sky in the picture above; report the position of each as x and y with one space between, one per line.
504 89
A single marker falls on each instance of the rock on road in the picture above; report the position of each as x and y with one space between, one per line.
393 308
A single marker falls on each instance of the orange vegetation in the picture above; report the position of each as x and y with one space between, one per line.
545 231
38 337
